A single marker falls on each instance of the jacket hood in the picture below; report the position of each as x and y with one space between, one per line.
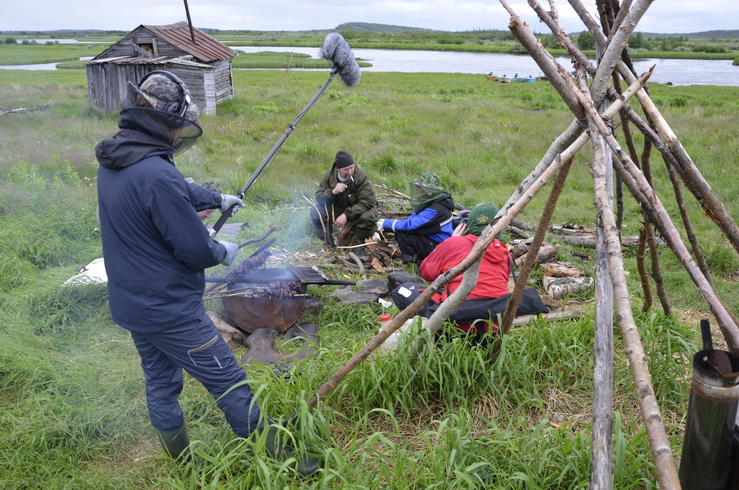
139 137
444 200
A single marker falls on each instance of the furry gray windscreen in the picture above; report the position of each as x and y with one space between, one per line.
336 50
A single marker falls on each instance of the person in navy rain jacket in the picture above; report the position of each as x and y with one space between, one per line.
156 249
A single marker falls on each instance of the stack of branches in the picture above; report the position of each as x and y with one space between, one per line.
392 203
594 107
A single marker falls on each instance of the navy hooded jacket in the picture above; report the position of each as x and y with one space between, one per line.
154 244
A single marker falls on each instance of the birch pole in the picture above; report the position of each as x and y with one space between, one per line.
664 461
602 450
486 238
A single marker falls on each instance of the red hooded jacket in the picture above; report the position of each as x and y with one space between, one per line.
492 281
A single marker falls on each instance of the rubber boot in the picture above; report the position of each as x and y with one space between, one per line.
280 451
176 443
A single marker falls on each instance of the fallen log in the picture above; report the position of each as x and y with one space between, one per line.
551 317
561 269
20 110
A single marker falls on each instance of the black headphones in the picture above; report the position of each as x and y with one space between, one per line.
177 108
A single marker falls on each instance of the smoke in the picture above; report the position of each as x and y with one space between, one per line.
336 50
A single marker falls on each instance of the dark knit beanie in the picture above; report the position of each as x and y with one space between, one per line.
343 159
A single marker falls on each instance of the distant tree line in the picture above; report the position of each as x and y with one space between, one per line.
639 41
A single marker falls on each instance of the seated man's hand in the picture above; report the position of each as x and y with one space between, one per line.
341 221
459 230
381 225
339 188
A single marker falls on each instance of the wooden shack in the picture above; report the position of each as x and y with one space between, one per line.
204 65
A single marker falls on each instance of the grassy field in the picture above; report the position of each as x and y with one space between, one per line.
20 54
71 391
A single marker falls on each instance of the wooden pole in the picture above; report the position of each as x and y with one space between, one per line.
642 268
602 450
664 300
189 22
661 451
512 305
486 238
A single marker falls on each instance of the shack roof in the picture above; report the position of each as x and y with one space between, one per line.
137 60
206 48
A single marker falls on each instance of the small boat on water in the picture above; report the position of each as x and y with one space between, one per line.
519 79
530 79
504 80
492 77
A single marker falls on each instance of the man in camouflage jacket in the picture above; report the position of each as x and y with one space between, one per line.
345 195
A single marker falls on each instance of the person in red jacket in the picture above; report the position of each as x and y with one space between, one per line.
494 268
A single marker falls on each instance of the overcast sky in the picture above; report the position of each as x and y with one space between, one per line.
665 16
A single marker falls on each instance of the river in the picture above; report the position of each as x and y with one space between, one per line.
677 72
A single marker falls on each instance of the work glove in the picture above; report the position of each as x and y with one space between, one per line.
381 225
232 250
228 201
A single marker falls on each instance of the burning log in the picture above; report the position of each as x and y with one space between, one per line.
255 261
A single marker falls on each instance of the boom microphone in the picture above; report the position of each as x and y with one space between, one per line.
336 50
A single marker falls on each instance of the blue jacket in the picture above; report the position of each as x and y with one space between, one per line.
154 244
433 220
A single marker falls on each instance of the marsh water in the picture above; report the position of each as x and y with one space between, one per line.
677 72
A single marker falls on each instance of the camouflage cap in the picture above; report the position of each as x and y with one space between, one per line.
211 185
428 180
163 93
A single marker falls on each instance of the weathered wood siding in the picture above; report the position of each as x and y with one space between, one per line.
198 81
224 85
107 83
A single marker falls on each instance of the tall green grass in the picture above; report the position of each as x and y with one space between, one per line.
71 390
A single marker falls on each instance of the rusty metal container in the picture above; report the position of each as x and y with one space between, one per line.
251 306
250 312
712 410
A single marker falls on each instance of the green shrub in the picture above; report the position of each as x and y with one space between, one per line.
268 108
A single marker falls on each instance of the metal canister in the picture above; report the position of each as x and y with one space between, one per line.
733 481
712 410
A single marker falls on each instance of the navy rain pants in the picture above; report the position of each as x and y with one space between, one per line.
200 350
